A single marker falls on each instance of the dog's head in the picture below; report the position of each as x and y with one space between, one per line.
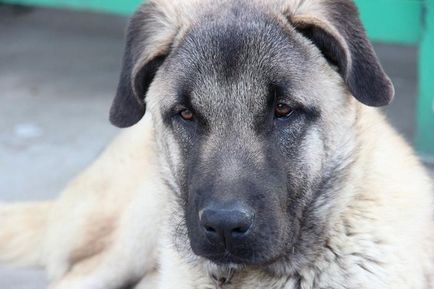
254 104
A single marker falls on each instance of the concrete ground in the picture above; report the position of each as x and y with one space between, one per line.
58 73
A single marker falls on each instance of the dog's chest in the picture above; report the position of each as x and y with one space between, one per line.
334 277
354 271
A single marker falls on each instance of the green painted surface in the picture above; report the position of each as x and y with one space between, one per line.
397 21
425 115
111 6
386 20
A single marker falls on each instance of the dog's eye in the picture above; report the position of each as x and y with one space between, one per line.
186 115
282 110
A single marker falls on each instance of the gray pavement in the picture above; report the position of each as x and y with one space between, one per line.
58 72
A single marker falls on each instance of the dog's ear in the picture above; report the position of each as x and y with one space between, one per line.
147 44
335 28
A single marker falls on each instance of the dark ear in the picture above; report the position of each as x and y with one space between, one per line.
142 58
337 31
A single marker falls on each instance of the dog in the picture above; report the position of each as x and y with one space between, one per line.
262 161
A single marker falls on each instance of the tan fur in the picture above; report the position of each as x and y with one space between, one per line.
98 238
108 228
22 228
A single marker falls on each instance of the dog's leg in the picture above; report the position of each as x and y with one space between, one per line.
176 272
98 272
119 267
133 251
22 232
149 282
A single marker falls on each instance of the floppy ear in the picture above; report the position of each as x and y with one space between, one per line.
147 45
335 28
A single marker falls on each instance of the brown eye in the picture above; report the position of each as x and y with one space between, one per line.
186 115
282 110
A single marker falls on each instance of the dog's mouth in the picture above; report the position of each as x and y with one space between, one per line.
232 260
229 259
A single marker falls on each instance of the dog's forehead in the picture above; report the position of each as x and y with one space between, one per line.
233 56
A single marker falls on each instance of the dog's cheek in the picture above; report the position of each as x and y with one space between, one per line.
175 158
312 154
305 164
171 162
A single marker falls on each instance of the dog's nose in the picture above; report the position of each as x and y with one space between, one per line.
226 225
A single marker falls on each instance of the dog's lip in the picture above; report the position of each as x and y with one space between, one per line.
227 258
222 256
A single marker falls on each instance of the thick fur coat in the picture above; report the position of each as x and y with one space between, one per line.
339 200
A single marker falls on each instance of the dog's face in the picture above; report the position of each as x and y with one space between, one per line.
242 120
254 120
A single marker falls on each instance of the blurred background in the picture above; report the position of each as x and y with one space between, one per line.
59 66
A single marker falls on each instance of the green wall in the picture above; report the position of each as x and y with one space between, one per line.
397 21
111 6
425 115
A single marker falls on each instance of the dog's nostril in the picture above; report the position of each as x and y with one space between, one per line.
240 230
210 229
